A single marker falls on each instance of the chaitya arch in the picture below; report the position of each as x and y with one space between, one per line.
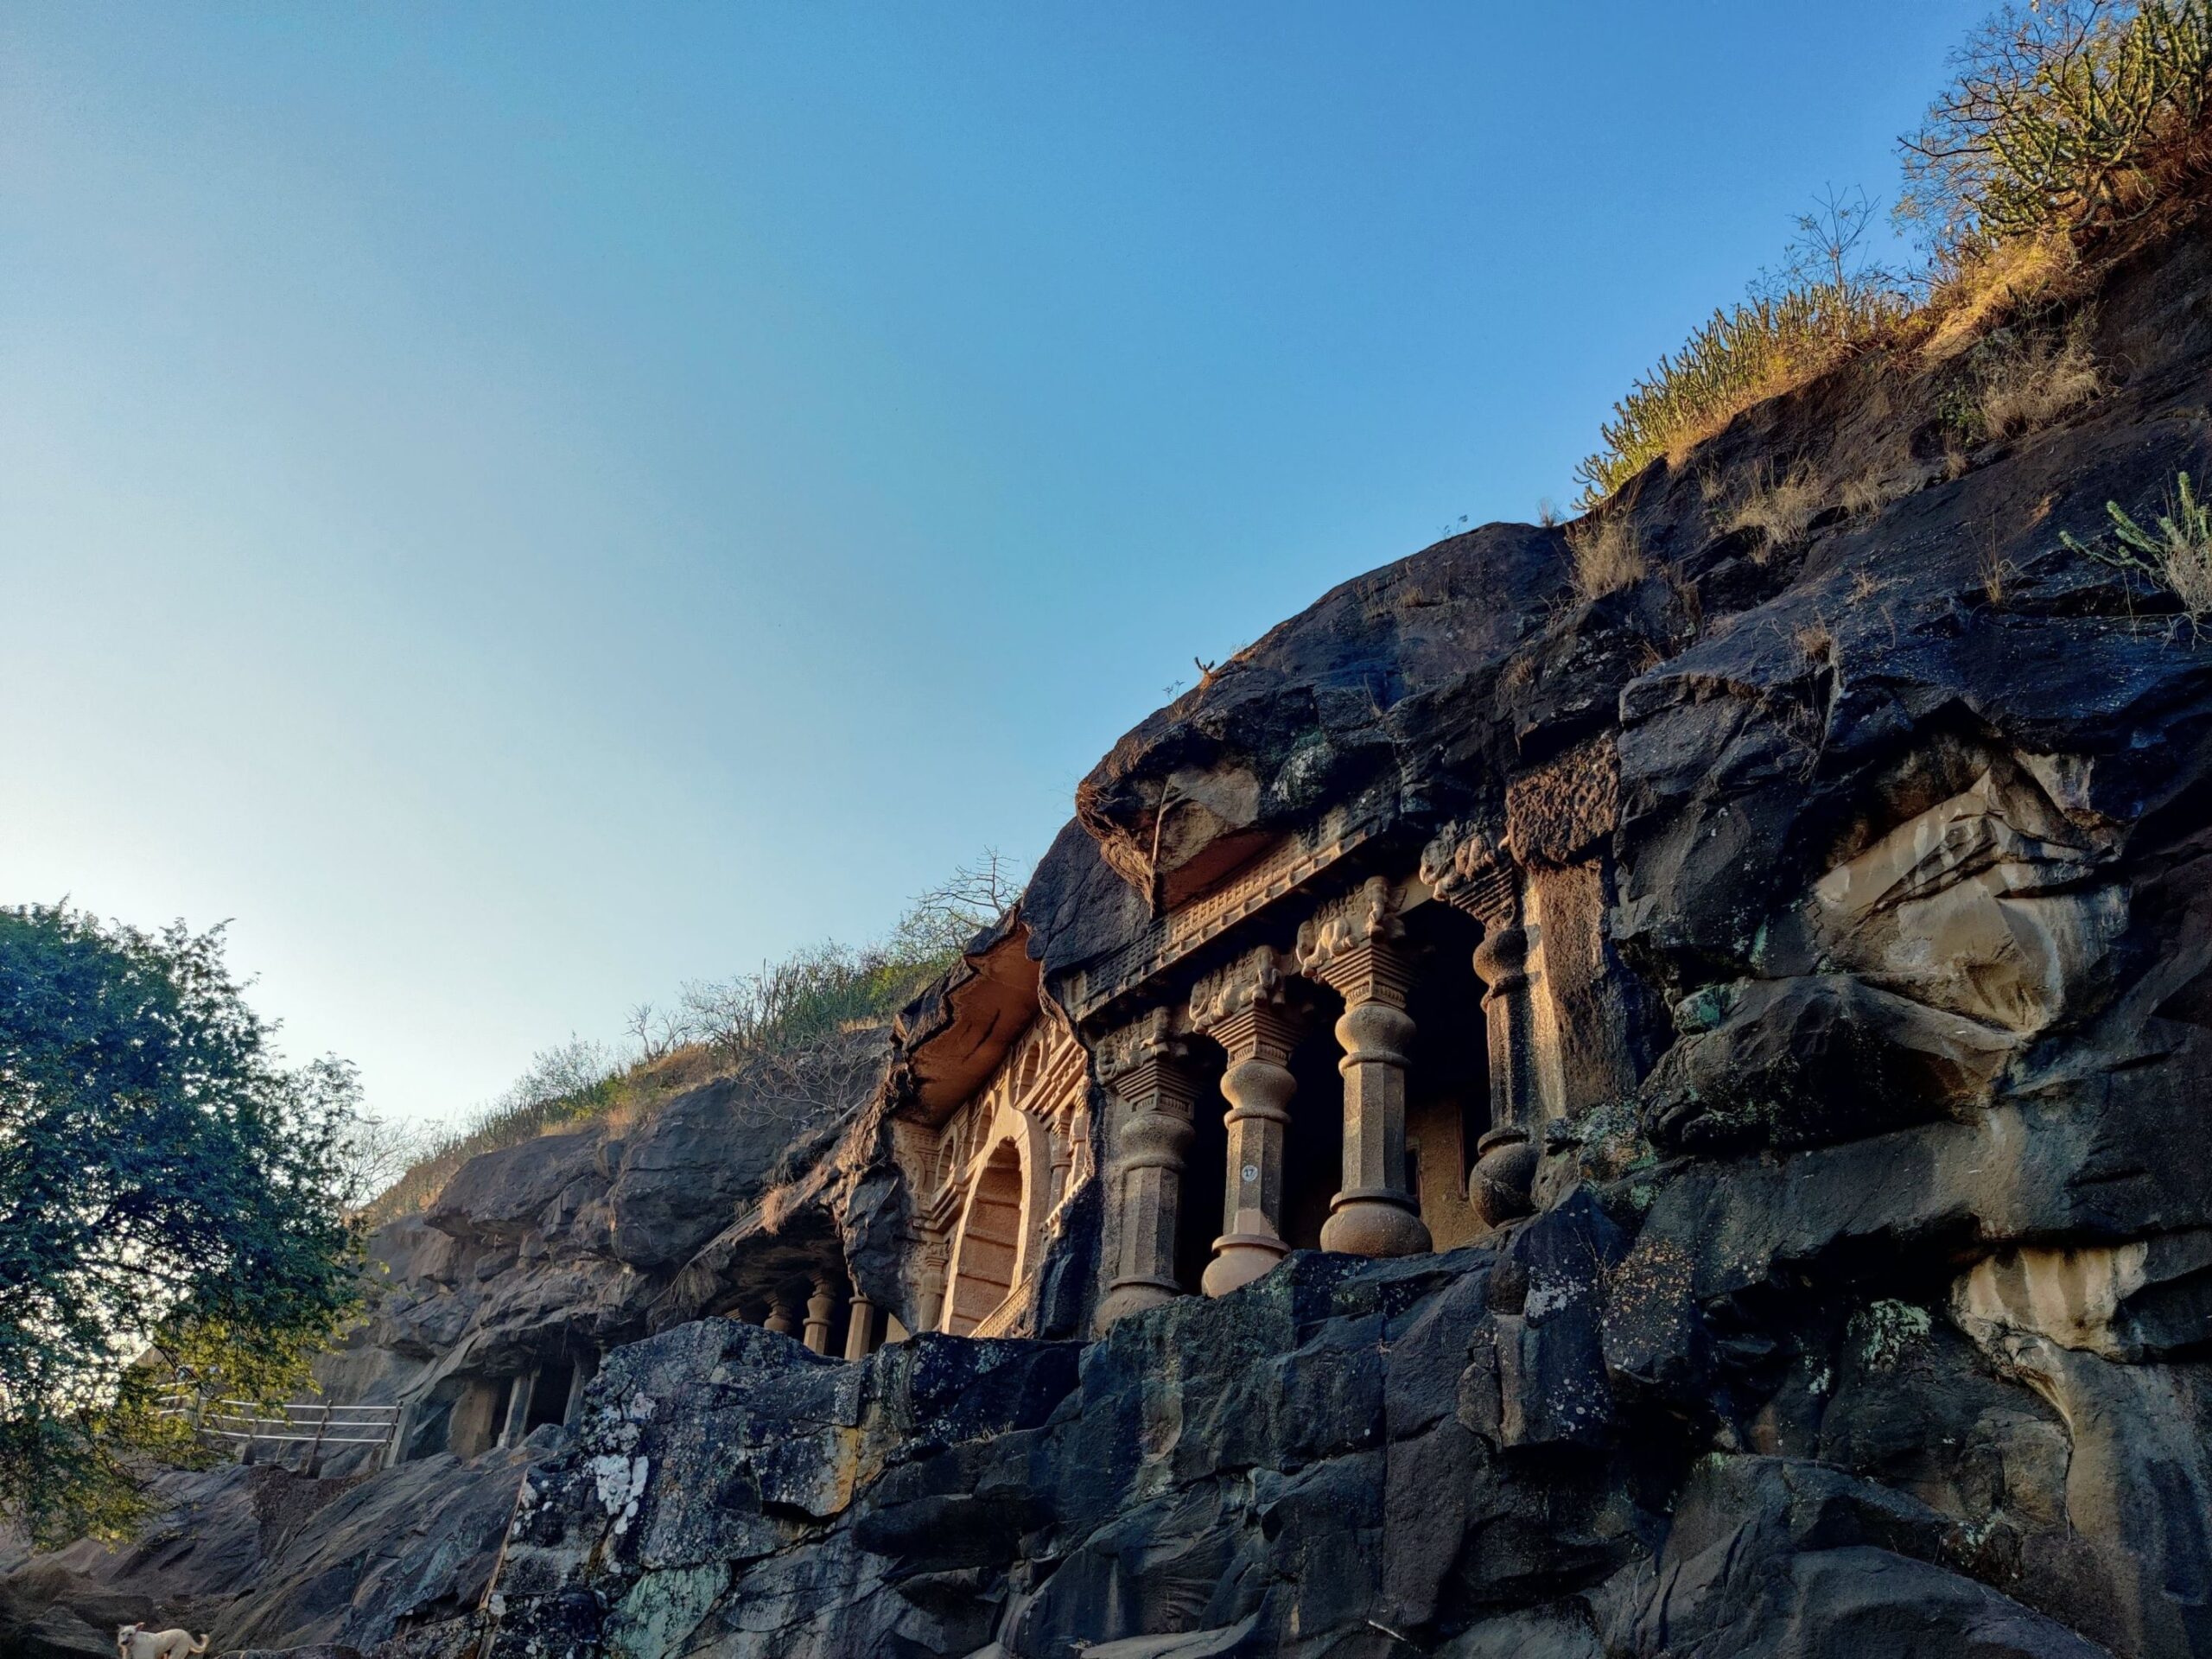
993 1254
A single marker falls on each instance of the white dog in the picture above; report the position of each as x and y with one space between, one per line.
136 1642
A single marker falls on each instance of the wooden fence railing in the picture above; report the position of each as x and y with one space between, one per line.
256 1431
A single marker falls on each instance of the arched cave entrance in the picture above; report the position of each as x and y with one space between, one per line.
990 1248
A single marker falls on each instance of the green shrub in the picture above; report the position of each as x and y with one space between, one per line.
2176 556
2058 118
1743 354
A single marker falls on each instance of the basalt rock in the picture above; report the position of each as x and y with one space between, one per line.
1841 1281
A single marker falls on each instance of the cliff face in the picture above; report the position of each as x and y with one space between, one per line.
1871 1313
534 1260
1422 1456
1866 1299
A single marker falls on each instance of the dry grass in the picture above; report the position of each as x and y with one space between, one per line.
1779 510
1870 492
2069 128
1994 572
1607 555
1744 354
1865 586
1996 282
2026 387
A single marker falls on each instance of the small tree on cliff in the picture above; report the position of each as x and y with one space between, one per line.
165 1185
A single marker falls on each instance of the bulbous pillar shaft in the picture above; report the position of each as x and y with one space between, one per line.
1502 964
1355 946
1152 1134
819 1307
779 1318
859 1328
1258 1086
1375 1214
1505 1169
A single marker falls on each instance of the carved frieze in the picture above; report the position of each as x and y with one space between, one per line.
1148 1040
1365 916
1247 984
1266 880
1467 864
1352 944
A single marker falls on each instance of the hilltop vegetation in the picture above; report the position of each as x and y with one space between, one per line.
762 1026
2064 124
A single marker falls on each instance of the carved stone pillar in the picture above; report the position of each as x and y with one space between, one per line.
1078 1140
1353 947
819 1307
779 1318
518 1396
1063 1150
1468 869
579 1380
932 1308
1241 1007
859 1327
1139 1064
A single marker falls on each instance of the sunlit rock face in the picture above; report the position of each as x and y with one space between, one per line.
1756 1028
1841 1281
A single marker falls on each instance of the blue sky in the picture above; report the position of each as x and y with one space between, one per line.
520 506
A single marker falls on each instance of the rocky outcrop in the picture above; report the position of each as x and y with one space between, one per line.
1863 1303
1425 1455
532 1258
570 1243
262 1558
1851 1293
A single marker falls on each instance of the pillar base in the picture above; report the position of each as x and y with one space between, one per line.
1238 1259
1375 1223
1129 1296
1505 1173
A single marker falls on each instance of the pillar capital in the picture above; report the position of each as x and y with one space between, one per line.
1245 1006
1468 866
1141 1063
1353 945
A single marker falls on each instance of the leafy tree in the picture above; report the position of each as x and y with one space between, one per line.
167 1189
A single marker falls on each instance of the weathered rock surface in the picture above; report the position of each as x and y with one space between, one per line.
1871 1318
1424 1456
265 1558
1866 1305
563 1244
